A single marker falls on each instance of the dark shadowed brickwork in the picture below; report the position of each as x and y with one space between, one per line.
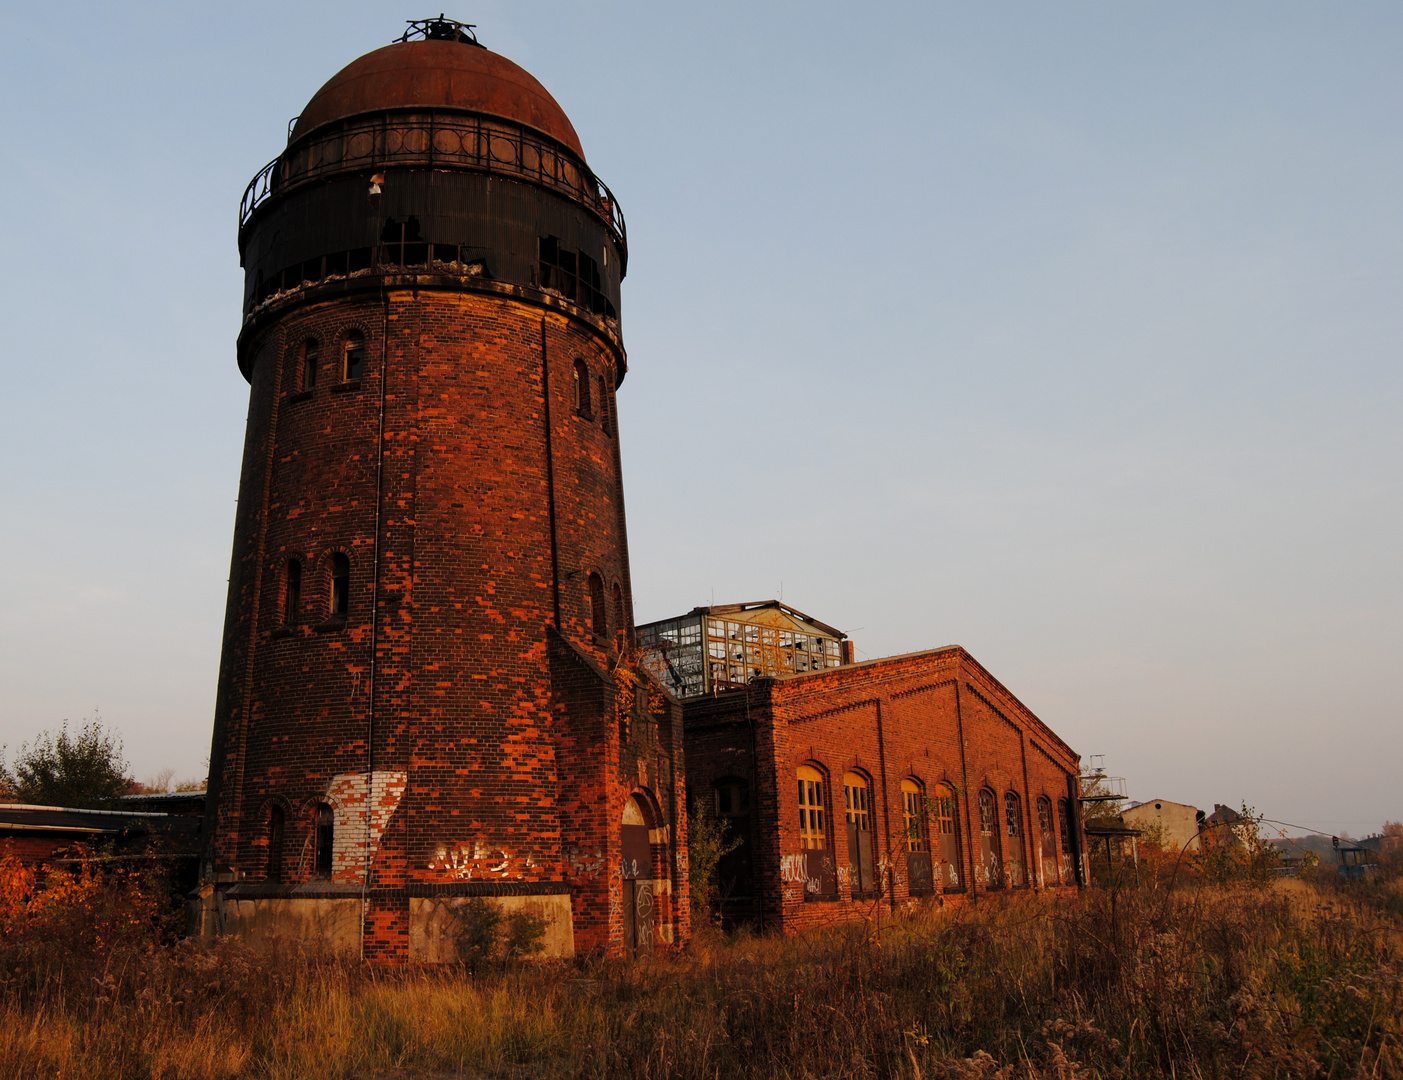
422 697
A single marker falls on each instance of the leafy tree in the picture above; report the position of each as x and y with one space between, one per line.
86 769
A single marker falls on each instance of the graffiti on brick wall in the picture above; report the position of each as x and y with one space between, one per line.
470 859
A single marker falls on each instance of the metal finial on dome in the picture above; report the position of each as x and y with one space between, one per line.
441 29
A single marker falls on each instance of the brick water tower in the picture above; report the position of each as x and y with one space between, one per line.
427 692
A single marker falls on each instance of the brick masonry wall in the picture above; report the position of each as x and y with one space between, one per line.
497 758
936 718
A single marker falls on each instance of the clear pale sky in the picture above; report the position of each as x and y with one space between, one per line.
1065 332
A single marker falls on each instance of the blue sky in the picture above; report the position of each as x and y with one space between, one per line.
1068 333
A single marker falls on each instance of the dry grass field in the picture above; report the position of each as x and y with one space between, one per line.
1291 979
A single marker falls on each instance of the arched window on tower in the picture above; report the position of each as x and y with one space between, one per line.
275 843
340 585
310 352
582 402
598 617
325 837
354 363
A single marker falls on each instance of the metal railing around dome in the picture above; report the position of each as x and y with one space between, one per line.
433 140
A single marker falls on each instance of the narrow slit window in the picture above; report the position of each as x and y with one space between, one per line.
582 402
292 593
275 844
355 356
340 584
326 836
310 352
598 617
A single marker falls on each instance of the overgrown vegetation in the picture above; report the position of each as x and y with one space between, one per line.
1241 980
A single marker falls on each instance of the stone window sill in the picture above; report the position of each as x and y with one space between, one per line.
282 632
332 625
346 387
301 395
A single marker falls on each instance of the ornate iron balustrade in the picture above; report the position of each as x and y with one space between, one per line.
432 140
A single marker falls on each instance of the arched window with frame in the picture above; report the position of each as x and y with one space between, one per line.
857 801
1013 825
598 616
311 351
292 592
820 870
276 821
324 840
1064 836
582 402
990 865
353 360
945 811
340 585
918 854
813 832
1047 843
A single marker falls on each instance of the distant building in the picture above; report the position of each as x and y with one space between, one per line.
1177 824
725 646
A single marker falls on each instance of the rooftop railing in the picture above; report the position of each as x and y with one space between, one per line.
426 139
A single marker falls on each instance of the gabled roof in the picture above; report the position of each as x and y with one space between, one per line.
742 611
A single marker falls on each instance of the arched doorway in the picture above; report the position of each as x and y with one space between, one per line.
638 907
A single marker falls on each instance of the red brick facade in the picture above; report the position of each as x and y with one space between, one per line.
929 719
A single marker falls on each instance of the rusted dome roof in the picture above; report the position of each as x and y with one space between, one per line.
438 74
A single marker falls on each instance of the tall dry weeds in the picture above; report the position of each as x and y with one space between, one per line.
1206 982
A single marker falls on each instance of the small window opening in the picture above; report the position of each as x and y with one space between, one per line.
292 595
599 620
326 830
582 402
310 351
355 356
340 584
275 844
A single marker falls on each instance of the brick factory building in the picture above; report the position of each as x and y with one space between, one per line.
428 692
850 784
421 698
